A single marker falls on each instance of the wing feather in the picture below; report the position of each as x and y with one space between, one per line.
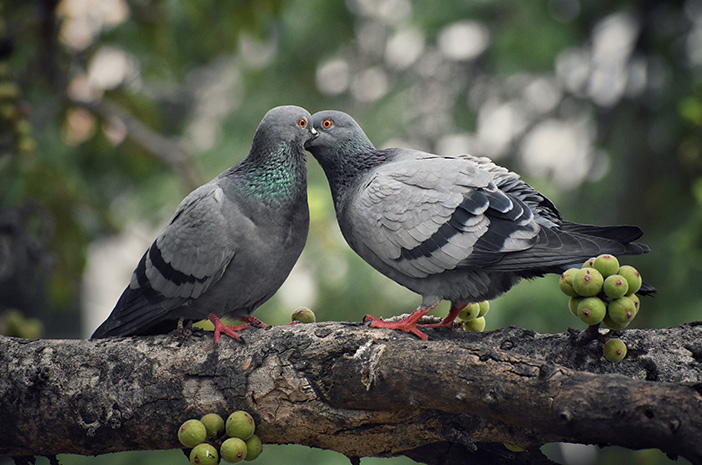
187 258
423 215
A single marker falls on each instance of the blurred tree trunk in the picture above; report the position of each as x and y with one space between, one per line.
359 391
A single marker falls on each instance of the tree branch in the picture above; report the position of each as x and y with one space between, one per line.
357 390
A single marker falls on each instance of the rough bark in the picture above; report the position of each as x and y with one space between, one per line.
359 391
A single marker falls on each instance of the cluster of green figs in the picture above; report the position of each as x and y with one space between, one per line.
603 291
210 438
472 317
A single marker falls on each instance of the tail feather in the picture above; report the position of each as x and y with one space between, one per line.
647 289
134 314
571 245
623 234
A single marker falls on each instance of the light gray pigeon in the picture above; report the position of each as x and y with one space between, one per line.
457 228
230 244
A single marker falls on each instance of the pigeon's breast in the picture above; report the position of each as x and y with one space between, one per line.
267 246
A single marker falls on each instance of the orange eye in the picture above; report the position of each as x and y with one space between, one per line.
327 123
302 123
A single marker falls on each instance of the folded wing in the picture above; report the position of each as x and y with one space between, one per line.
426 214
184 261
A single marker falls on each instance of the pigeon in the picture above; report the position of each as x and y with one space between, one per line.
230 243
456 228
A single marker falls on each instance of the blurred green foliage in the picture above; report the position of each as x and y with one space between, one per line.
120 109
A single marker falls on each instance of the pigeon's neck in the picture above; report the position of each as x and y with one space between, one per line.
350 170
276 174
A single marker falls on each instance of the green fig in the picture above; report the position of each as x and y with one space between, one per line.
615 286
621 310
632 275
191 433
592 310
233 450
587 282
589 263
484 308
606 264
214 424
470 312
514 447
204 454
573 304
303 315
566 282
476 324
240 425
614 350
611 324
637 303
253 448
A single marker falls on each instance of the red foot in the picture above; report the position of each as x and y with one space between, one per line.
408 325
253 321
448 321
229 330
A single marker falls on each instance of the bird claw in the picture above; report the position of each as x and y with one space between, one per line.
407 325
447 322
442 324
229 330
253 321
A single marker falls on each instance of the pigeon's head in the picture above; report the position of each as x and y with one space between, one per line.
287 123
340 140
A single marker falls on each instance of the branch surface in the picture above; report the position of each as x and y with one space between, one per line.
357 390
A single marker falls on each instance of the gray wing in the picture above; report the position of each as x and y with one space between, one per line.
426 214
560 243
184 261
545 212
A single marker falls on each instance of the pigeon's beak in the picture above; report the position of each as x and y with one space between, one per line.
309 141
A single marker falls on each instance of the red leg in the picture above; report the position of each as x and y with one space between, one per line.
408 325
253 321
448 321
229 330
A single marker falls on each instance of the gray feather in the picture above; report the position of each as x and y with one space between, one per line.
230 243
